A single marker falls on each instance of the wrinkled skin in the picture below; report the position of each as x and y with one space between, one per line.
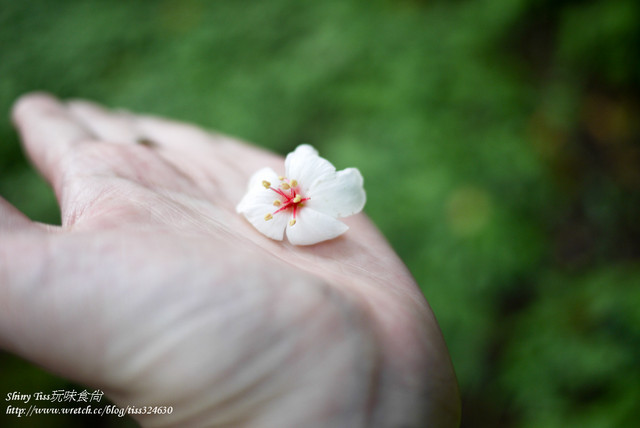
154 290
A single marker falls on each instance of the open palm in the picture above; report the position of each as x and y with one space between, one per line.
155 290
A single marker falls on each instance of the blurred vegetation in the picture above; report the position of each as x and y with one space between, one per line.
499 140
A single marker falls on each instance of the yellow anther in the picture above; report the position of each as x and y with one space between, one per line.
266 184
294 183
285 186
292 222
277 202
281 178
297 199
268 217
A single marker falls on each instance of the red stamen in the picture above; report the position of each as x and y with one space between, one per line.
289 200
280 192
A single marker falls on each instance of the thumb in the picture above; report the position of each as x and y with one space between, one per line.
32 314
19 238
11 219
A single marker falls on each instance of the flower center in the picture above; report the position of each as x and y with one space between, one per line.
289 198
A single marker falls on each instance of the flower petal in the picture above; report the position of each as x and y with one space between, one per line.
339 195
256 205
264 174
312 227
305 166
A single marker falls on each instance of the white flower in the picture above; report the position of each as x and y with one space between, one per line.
305 201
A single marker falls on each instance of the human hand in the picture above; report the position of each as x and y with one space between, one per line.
156 291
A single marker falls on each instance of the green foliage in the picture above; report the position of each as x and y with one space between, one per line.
499 141
583 332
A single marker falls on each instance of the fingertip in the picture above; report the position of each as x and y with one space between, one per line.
48 131
84 111
113 126
33 101
78 104
92 109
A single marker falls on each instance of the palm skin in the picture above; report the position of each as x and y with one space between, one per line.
155 290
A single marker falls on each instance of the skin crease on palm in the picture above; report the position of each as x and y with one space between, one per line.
156 291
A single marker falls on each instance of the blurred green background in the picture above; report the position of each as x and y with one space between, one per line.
499 141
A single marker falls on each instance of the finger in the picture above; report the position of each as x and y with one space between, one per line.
220 164
182 145
111 126
180 136
48 131
201 146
